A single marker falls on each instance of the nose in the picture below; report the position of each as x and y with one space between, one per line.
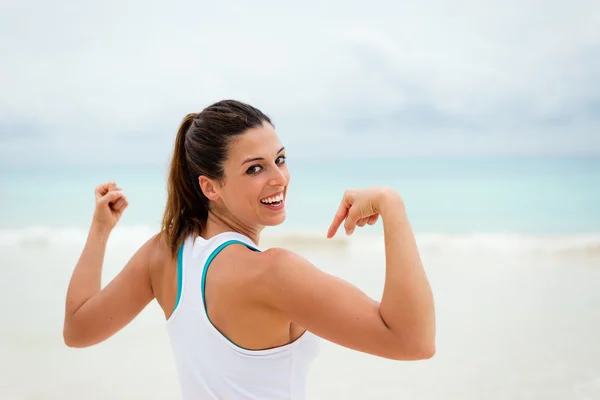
278 177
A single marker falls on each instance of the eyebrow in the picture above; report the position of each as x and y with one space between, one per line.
259 158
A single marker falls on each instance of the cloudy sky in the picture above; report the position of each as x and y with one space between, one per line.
108 82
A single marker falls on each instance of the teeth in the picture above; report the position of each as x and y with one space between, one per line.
273 199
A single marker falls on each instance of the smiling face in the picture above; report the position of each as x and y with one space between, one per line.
256 178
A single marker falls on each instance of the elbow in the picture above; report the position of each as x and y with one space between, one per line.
416 344
414 350
79 336
72 338
419 353
74 342
425 352
69 342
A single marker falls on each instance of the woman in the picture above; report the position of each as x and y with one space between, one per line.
248 327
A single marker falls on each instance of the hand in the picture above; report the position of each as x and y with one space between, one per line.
110 205
358 208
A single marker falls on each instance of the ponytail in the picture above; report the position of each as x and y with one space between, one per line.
186 210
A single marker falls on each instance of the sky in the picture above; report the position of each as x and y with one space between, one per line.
109 82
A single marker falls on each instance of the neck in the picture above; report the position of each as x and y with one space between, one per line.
218 222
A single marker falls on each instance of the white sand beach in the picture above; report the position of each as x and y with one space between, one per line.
516 319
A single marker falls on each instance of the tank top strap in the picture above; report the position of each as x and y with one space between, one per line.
194 258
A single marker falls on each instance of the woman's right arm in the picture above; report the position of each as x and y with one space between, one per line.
401 326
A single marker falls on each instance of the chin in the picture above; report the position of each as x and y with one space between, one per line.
276 220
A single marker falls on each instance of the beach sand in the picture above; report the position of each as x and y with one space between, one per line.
512 323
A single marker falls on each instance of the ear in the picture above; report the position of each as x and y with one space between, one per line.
209 188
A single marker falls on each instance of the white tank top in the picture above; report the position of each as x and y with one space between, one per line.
209 365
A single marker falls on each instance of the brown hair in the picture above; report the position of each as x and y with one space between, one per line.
201 148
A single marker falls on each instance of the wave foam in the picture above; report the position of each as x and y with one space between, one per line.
513 243
46 236
585 244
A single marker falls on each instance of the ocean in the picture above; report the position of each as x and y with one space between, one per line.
511 246
543 195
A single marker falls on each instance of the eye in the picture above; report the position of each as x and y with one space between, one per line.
253 170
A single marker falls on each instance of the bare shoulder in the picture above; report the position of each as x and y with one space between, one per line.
251 274
283 275
157 252
262 268
277 265
246 265
278 256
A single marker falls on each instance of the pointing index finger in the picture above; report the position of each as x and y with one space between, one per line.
339 217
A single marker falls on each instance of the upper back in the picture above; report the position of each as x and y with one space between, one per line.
225 346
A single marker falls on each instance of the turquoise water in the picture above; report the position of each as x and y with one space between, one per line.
446 195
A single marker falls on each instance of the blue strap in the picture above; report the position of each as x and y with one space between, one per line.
210 258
